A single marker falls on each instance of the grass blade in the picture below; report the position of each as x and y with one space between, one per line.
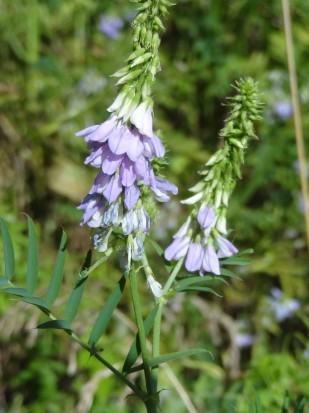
55 282
9 259
32 270
106 313
77 293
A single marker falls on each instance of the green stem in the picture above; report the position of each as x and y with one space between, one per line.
150 402
97 356
107 254
172 276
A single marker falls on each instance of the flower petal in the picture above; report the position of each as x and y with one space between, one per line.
194 257
177 249
206 216
210 261
132 194
226 248
113 189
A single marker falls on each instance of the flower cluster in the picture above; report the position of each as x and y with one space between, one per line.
124 147
123 156
204 248
202 240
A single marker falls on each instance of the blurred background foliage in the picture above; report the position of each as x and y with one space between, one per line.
56 60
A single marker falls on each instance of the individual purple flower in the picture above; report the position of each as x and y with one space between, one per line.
281 307
243 340
226 248
177 249
206 216
210 261
110 26
161 187
284 110
194 257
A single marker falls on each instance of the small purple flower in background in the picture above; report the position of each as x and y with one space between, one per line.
284 110
281 307
110 26
243 340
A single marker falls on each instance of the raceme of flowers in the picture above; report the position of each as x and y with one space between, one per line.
123 155
202 240
124 147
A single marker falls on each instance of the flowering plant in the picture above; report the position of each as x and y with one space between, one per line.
121 205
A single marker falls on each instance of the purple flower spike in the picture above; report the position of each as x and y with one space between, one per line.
226 248
194 257
177 249
210 261
206 217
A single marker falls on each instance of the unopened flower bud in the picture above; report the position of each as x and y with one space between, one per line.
154 286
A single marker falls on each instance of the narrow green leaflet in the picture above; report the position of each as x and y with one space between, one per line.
20 292
9 259
55 282
135 350
160 252
3 281
32 271
201 289
37 302
106 313
55 324
77 293
175 356
157 247
189 281
228 273
236 261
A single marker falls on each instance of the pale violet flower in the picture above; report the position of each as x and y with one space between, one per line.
282 307
110 26
142 119
284 110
